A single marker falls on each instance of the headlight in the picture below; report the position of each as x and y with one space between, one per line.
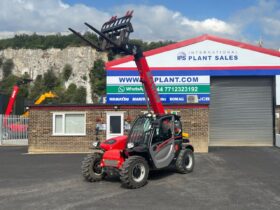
130 145
95 143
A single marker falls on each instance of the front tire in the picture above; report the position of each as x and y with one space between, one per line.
134 172
185 161
91 170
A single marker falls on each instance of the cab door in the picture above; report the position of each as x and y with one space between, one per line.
162 144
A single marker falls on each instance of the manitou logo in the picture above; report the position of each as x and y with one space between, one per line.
181 56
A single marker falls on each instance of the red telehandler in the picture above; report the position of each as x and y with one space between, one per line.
11 128
155 141
14 95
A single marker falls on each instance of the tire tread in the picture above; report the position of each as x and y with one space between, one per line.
87 171
125 172
180 166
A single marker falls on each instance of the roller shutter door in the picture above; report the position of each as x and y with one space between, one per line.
241 111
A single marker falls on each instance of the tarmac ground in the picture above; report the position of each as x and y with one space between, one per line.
225 178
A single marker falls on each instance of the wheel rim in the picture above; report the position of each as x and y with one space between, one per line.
97 168
138 172
188 161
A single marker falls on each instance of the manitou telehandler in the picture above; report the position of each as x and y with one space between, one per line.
155 141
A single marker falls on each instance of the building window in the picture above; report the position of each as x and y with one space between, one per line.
69 124
115 124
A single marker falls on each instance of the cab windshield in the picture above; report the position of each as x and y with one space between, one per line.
140 132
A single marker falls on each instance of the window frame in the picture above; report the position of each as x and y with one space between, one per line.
54 114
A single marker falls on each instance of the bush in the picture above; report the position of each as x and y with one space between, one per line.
84 77
36 41
97 79
50 80
7 67
70 93
37 88
67 72
1 62
6 85
80 95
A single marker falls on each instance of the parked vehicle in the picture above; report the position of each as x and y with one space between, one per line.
156 139
12 126
41 99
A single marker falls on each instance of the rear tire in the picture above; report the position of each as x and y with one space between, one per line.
134 172
91 170
185 161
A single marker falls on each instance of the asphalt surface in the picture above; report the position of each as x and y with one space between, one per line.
225 178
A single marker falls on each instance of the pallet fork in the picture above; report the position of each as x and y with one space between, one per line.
114 35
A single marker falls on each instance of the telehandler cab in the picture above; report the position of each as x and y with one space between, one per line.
155 141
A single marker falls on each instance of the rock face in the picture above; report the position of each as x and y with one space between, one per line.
37 62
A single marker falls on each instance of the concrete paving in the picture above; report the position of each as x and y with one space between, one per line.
225 178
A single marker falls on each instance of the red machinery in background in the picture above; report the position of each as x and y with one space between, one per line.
13 96
11 127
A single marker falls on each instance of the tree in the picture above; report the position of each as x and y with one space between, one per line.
97 80
36 41
7 67
6 85
80 95
24 89
84 77
111 55
60 92
26 76
37 87
1 61
70 93
67 72
50 80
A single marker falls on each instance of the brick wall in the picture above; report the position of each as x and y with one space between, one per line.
41 140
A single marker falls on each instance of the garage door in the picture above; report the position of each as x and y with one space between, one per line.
241 111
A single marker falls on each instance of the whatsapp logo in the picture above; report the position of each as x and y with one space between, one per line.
121 89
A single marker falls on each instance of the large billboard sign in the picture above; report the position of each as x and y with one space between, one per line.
173 89
182 71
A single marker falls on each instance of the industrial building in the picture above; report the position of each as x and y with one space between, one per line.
226 92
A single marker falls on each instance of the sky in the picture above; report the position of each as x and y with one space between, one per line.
153 20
